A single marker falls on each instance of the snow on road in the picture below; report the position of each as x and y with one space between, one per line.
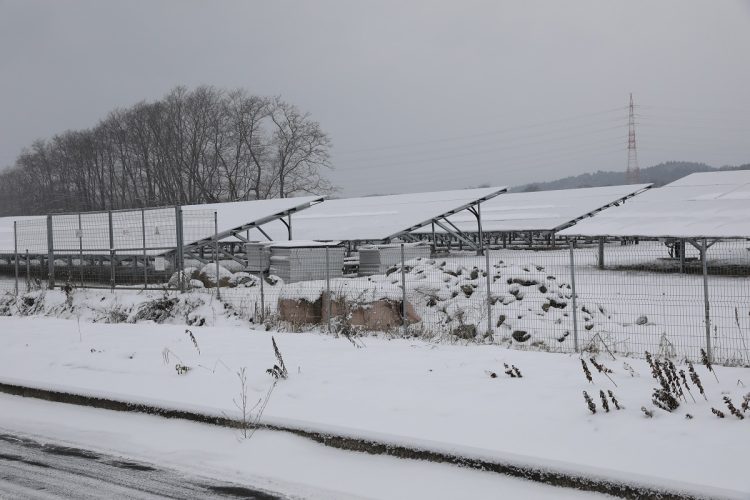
37 470
274 461
411 391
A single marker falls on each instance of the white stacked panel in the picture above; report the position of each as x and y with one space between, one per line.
377 259
257 256
296 263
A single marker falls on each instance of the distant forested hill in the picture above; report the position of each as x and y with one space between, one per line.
661 174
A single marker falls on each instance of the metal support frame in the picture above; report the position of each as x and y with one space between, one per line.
707 307
455 232
574 298
477 211
288 225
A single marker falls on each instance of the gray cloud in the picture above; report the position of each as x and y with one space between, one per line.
416 95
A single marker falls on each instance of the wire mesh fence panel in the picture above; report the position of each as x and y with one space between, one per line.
728 285
532 299
646 297
31 237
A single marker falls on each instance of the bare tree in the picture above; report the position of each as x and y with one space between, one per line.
204 145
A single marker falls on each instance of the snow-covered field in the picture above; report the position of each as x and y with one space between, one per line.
409 391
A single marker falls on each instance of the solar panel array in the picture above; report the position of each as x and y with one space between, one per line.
709 204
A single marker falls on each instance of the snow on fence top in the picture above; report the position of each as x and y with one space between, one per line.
710 204
542 210
89 232
378 218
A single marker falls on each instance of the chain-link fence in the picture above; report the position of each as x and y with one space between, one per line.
671 297
113 249
620 297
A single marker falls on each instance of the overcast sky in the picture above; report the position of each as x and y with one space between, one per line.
415 95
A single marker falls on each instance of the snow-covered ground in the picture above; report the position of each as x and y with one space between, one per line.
274 461
411 391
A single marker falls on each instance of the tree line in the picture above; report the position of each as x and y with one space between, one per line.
192 146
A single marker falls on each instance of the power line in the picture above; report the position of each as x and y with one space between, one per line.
369 162
481 134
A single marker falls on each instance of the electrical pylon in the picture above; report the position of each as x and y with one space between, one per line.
633 172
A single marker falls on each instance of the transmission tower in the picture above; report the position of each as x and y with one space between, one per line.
633 173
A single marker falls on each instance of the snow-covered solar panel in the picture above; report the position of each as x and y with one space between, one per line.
709 204
377 218
89 232
237 214
541 210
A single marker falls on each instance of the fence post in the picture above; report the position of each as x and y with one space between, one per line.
111 252
216 252
50 255
328 290
489 294
403 290
15 253
707 307
600 262
179 257
262 290
80 250
28 272
573 294
145 254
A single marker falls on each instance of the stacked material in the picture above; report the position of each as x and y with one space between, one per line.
377 259
294 261
257 256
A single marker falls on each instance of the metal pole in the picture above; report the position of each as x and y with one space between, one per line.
434 241
80 249
403 290
480 250
50 255
262 290
179 257
145 255
111 252
216 253
28 272
489 291
15 253
601 252
573 293
704 262
328 290
682 247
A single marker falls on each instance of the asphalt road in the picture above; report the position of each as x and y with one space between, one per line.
33 470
